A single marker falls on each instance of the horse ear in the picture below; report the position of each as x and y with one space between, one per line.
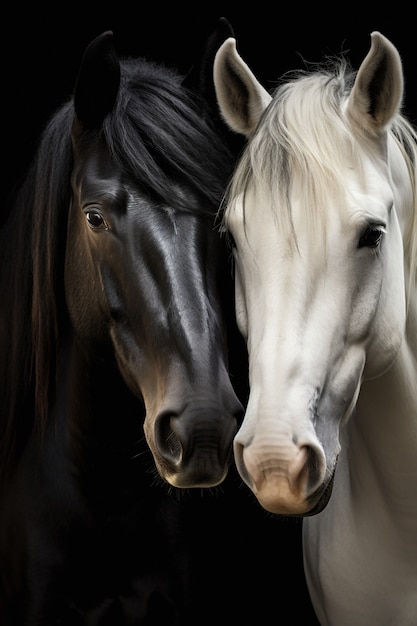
241 97
377 92
200 76
98 82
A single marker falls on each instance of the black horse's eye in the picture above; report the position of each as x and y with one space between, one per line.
372 236
96 220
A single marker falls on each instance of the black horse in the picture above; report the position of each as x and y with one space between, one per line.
114 369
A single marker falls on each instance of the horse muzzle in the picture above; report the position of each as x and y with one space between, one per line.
286 478
193 447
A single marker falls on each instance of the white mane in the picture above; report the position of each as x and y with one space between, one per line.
305 136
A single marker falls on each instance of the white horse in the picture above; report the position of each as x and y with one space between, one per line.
322 214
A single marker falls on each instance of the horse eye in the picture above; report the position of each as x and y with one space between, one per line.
372 236
96 220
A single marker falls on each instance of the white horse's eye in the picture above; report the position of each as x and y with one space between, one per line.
372 236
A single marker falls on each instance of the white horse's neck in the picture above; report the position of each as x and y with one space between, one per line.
373 507
385 426
370 522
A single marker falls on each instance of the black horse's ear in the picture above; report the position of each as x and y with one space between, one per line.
200 80
98 82
200 76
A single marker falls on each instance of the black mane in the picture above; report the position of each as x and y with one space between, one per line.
160 132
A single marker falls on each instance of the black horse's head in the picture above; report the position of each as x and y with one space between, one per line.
145 267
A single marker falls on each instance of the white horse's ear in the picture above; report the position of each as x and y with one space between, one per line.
377 93
241 98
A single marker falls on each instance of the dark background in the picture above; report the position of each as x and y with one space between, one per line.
42 49
251 562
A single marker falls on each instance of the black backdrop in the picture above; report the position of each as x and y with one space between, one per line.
250 562
42 48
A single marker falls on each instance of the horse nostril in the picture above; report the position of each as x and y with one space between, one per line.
167 440
193 444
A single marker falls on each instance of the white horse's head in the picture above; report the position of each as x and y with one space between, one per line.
317 211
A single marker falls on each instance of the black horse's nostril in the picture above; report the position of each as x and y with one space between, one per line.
167 439
196 440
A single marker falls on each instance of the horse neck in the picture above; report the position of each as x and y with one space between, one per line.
382 433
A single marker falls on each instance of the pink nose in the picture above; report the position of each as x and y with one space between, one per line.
282 477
